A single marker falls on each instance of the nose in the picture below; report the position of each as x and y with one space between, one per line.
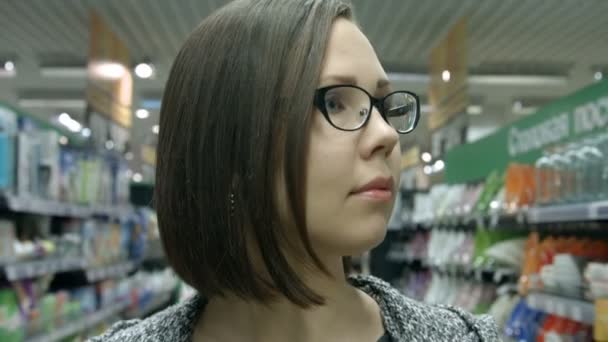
378 136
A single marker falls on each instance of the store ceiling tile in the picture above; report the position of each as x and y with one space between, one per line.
557 37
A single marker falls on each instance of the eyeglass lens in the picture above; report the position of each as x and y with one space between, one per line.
348 108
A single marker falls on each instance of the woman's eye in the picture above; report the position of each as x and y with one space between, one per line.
334 105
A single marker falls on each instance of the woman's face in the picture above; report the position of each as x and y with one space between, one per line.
353 176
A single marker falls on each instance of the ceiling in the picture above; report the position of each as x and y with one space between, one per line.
566 38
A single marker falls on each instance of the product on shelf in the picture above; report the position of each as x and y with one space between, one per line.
519 186
10 316
28 310
557 263
527 324
577 172
34 165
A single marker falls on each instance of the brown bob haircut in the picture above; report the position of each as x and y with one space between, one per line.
235 114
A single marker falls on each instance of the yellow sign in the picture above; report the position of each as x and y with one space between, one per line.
600 328
148 155
410 158
448 89
110 86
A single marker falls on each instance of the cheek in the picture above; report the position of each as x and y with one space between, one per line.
395 163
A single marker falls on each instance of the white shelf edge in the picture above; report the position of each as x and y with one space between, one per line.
40 206
37 268
577 310
109 271
32 269
569 212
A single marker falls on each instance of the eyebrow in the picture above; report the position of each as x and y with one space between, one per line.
350 80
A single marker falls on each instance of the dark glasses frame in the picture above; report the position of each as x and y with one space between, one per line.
319 102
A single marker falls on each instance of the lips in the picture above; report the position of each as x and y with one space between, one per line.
380 188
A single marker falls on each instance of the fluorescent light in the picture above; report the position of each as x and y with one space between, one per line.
107 70
144 70
142 113
517 106
109 145
445 75
427 170
527 80
427 157
486 79
408 77
474 109
494 205
67 121
137 177
64 118
86 132
8 69
129 155
438 166
598 75
155 129
53 103
526 110
64 71
63 140
9 66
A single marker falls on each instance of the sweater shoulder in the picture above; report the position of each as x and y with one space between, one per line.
408 320
171 324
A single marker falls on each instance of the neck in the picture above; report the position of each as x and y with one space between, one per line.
348 314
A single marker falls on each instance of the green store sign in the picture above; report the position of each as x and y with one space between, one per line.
572 117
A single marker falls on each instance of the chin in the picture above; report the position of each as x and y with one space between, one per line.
361 238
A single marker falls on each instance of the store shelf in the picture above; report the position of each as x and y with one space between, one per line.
110 271
84 324
111 211
39 206
574 309
493 274
31 269
33 205
569 213
159 301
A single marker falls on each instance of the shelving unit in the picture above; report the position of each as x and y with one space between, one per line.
32 269
110 271
576 212
574 309
570 212
81 325
495 274
33 205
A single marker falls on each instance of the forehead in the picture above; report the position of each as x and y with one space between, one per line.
349 53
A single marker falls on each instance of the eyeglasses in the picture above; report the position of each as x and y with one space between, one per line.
348 107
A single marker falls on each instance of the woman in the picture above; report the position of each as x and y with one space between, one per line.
278 155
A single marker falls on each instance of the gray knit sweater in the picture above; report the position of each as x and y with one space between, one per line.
404 320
